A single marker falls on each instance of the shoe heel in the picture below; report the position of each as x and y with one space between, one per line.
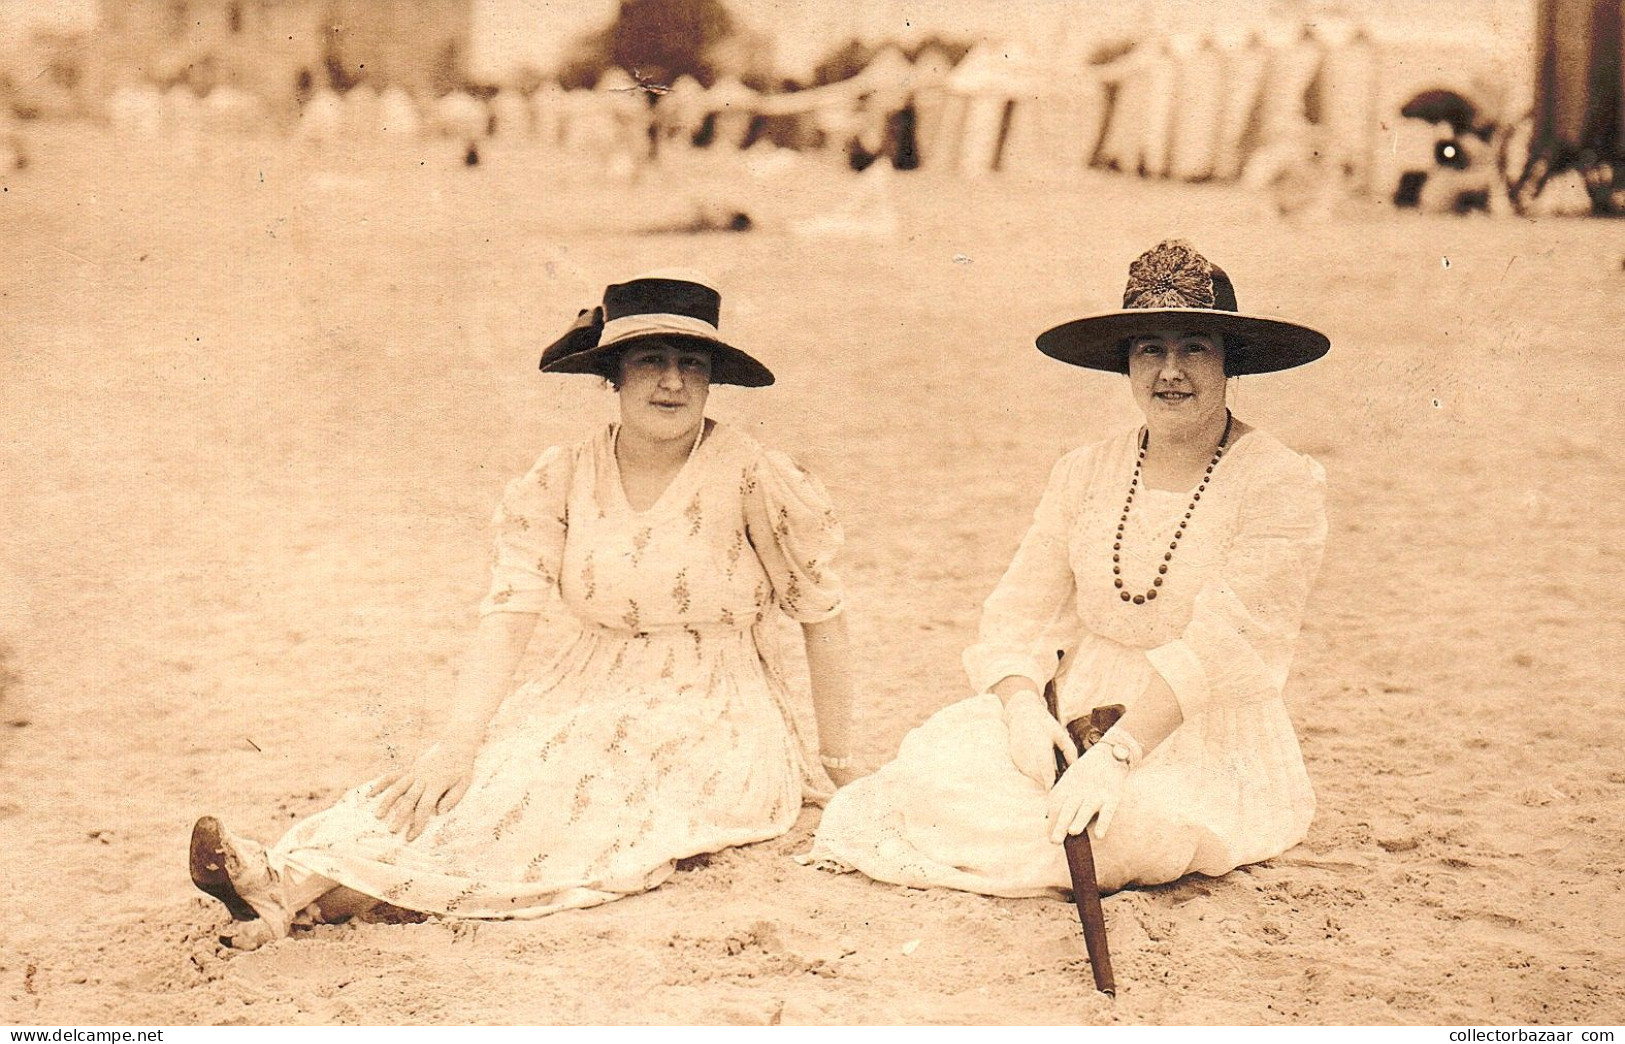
208 865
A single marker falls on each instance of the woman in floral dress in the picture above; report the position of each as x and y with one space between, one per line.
664 728
1171 565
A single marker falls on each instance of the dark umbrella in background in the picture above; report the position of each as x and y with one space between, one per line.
1442 106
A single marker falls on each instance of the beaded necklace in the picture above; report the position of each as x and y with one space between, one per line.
615 454
1173 545
615 445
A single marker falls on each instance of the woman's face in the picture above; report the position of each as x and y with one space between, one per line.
1178 378
663 389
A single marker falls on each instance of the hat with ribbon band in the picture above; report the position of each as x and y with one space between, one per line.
677 307
1173 286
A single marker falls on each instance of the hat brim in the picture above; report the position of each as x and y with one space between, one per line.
1097 341
729 365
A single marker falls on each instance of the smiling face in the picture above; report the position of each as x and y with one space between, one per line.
663 387
1178 378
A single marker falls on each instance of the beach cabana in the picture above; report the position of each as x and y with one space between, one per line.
397 114
983 91
733 108
362 112
1580 79
930 71
1200 92
136 110
511 117
1125 91
1348 93
321 121
549 115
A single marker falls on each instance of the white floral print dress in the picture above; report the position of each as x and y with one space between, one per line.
660 732
1226 788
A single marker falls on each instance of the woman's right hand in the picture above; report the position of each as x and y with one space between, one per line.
1035 735
435 782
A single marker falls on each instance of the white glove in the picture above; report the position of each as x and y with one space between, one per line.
1035 736
1092 787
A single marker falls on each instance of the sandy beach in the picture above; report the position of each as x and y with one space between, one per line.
258 410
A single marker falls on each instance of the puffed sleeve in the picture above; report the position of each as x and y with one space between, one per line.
1237 647
791 523
531 523
1032 614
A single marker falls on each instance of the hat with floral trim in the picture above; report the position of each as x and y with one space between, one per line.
1173 286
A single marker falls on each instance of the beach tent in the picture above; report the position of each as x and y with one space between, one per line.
549 115
680 113
1348 92
511 116
882 111
322 119
890 78
930 71
584 126
868 105
1127 84
1281 97
624 106
397 114
1246 68
136 110
227 110
733 107
1196 108
460 115
1199 92
183 116
1055 124
982 93
1187 107
1580 79
982 85
1162 83
1139 117
363 111
1284 123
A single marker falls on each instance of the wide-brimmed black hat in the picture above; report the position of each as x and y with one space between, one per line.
678 307
1171 285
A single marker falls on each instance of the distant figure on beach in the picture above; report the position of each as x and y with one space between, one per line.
1170 564
664 729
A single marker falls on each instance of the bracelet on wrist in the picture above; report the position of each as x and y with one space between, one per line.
842 762
1124 748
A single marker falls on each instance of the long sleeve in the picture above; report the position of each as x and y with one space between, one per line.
791 523
1032 614
531 522
1237 647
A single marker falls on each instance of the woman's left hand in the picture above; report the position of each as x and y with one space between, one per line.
1090 787
435 783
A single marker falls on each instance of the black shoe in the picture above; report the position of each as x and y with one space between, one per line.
213 859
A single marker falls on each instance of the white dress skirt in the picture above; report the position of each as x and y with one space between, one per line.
663 730
1226 788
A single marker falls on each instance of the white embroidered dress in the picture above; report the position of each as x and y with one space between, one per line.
661 731
1227 787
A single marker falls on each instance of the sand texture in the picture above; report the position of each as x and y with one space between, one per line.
257 412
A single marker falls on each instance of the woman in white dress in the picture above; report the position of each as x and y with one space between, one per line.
663 729
1170 564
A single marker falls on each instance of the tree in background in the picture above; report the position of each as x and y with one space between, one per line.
658 41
